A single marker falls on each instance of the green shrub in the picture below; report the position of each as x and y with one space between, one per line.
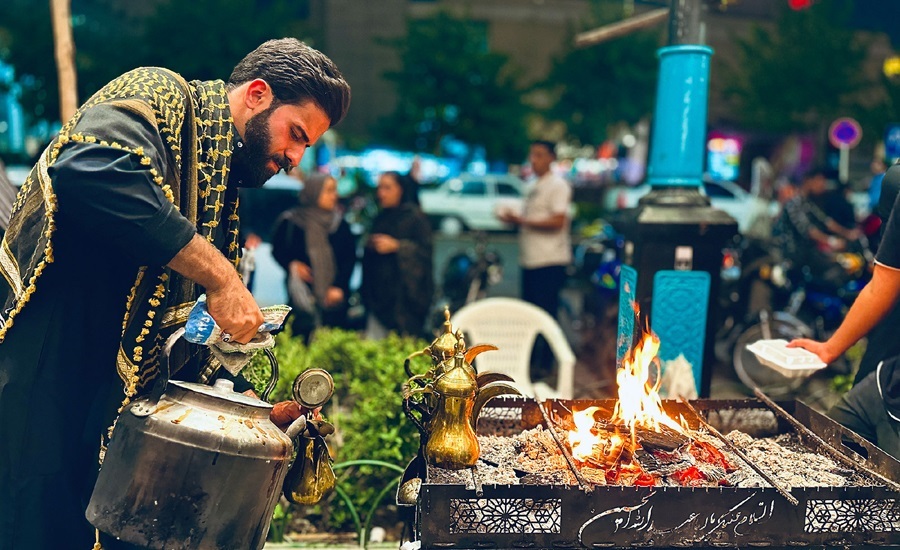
367 408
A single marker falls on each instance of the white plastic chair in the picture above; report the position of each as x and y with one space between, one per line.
512 325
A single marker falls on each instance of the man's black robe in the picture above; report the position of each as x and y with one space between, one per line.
59 388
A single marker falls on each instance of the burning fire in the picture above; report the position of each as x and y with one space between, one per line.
583 438
639 406
604 449
587 442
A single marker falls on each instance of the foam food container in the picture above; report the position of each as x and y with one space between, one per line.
790 362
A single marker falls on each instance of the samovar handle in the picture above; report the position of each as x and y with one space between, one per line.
146 407
273 380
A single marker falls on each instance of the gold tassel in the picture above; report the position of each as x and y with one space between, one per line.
97 539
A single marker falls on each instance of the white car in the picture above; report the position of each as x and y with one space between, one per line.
748 209
472 202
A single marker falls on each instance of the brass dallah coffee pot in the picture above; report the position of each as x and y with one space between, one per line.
444 403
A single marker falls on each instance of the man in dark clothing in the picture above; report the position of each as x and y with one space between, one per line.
872 406
882 341
129 215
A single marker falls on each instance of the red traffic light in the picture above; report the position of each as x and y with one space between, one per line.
798 5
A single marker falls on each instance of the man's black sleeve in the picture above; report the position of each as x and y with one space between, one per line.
110 198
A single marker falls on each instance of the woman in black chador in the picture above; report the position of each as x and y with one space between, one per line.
397 266
314 245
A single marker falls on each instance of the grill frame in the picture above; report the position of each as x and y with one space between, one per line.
534 516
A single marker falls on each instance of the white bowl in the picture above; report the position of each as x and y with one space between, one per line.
790 362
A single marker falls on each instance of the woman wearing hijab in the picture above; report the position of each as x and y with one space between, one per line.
314 245
398 284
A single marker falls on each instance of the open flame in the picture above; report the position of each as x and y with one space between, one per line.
639 406
583 438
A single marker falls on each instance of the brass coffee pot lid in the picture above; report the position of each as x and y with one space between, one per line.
444 346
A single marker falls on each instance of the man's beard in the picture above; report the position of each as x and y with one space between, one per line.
250 163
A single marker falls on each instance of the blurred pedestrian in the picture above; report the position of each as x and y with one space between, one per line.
130 215
807 237
315 247
398 283
545 243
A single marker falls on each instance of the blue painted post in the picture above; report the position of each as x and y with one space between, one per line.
674 229
679 134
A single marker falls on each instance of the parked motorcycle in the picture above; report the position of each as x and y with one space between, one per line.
750 275
598 262
466 277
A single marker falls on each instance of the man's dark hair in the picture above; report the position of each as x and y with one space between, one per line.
549 145
296 73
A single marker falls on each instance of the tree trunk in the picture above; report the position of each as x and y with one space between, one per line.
61 16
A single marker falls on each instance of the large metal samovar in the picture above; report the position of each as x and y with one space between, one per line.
191 466
202 467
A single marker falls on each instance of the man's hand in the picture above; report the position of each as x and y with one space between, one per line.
235 311
821 349
509 217
334 296
229 302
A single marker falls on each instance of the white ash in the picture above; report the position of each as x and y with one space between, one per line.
530 457
788 462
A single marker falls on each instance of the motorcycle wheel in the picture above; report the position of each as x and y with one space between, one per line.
751 372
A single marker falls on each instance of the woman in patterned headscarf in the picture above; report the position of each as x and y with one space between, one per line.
314 245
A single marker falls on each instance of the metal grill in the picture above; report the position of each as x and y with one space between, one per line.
570 516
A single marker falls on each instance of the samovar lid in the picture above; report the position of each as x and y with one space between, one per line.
222 389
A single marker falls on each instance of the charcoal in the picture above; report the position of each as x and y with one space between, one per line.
661 463
711 472
666 439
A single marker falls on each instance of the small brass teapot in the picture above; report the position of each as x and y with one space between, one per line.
449 398
311 476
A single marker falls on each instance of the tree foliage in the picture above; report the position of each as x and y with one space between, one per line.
450 85
201 39
800 75
26 43
599 86
204 39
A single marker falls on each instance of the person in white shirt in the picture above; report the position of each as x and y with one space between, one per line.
545 247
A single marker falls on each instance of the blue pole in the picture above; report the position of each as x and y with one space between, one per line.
679 132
